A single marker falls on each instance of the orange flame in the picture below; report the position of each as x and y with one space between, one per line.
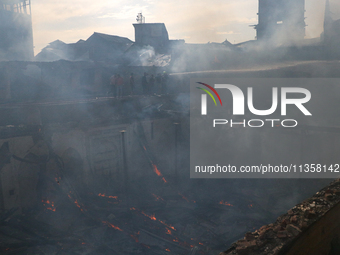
76 202
51 205
155 169
167 250
111 225
167 225
152 217
168 231
103 195
225 203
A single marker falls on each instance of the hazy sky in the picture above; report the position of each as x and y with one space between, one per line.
196 21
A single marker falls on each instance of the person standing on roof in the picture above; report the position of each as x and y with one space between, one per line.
112 88
158 84
151 84
132 83
145 83
165 78
119 85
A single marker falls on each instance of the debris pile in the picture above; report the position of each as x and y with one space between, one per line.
274 238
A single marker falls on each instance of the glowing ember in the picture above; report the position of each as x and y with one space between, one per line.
168 231
225 203
184 197
103 195
111 225
167 225
167 250
78 205
135 238
152 217
76 202
201 243
155 169
250 206
175 240
49 204
158 198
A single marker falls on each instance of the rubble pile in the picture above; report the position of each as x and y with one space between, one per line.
277 237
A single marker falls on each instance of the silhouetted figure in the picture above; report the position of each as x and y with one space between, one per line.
165 78
132 84
119 85
159 83
145 83
112 89
151 84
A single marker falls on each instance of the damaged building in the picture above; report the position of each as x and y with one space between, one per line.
281 20
98 47
331 34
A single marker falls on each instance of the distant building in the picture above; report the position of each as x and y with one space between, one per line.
331 26
153 34
331 34
281 20
16 39
98 47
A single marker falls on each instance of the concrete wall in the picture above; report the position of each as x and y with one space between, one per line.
322 238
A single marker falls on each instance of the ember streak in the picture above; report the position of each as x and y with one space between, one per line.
225 203
111 225
152 217
155 169
103 195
